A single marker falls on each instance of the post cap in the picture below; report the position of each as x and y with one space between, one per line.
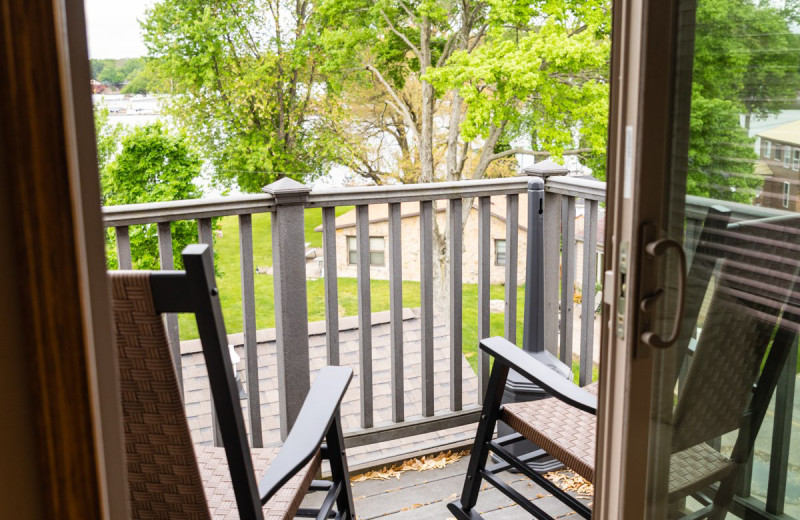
536 184
545 169
286 190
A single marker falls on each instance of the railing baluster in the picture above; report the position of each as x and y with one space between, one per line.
567 277
552 237
455 241
396 311
167 264
484 288
331 284
587 290
782 435
745 479
364 314
291 301
123 247
205 236
693 229
512 254
249 326
205 233
426 304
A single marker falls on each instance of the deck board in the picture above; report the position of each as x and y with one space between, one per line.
424 496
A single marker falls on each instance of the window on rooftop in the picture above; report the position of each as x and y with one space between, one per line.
499 252
377 251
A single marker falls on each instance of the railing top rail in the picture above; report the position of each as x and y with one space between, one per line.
131 214
128 214
416 192
590 189
697 207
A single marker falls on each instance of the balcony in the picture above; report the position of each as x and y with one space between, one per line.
417 375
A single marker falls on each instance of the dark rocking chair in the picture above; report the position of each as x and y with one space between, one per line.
168 477
758 284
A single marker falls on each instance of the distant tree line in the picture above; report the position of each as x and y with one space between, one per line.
130 75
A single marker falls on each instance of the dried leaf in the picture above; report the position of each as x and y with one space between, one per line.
569 481
439 461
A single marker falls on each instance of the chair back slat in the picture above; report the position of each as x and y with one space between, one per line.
756 280
163 475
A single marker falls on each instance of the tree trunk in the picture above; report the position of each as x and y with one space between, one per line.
454 166
441 271
426 139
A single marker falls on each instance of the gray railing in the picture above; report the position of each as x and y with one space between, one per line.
286 201
778 467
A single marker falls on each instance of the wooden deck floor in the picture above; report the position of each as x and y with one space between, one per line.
424 496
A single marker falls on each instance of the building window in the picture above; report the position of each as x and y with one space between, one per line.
767 149
377 251
778 154
787 157
786 189
499 252
796 159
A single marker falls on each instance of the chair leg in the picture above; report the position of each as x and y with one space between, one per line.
480 449
339 470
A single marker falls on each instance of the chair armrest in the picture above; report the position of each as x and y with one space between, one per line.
506 352
313 422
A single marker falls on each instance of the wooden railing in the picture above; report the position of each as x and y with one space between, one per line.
778 473
286 201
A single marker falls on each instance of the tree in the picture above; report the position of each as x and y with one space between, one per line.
247 85
465 79
744 64
152 165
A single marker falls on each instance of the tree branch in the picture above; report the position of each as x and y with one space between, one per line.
476 41
407 10
537 153
403 37
400 105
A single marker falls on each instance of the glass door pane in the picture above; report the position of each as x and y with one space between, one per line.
724 406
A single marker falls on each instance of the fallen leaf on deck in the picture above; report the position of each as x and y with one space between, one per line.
569 481
421 464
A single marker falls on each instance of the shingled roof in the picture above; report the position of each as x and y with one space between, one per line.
198 407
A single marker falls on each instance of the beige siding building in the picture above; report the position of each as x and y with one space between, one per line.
410 225
779 163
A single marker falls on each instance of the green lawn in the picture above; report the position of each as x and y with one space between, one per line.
229 284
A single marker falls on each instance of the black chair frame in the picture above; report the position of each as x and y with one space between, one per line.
194 291
508 357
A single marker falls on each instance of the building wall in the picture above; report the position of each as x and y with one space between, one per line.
773 154
411 246
579 264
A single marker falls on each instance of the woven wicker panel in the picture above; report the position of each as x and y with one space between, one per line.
217 482
695 468
163 478
562 431
726 363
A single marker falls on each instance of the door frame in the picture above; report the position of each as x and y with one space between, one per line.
70 418
640 152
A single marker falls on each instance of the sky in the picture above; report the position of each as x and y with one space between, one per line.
112 27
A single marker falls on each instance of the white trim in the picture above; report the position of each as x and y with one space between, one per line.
787 188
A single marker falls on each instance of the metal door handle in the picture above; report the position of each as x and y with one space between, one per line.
656 249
